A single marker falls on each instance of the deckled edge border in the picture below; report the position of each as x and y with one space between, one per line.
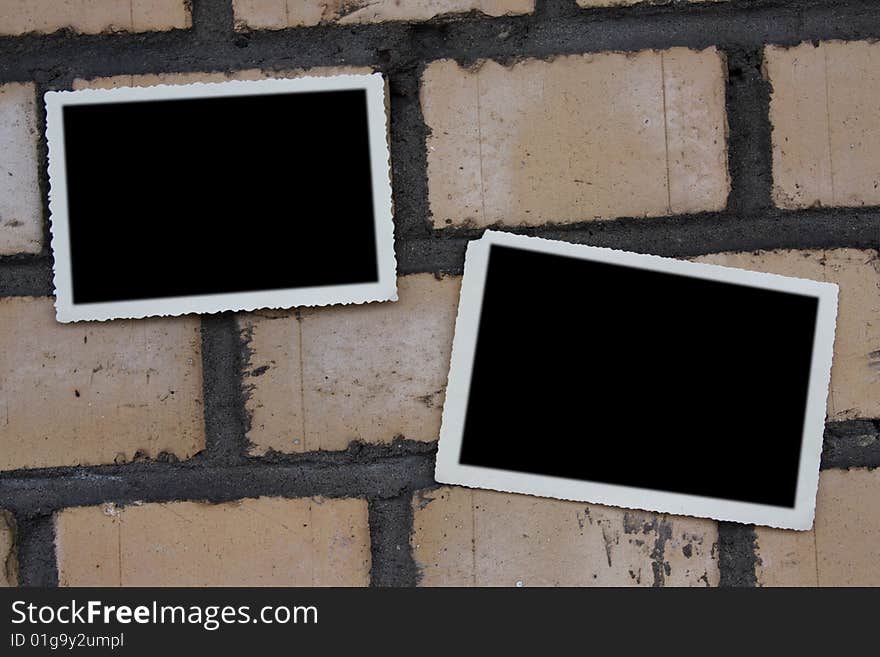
448 470
384 290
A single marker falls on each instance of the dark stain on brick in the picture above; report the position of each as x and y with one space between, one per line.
635 523
874 361
259 371
659 565
423 498
430 399
608 544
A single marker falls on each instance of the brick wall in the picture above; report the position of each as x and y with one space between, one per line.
297 447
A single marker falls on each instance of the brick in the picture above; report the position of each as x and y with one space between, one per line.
785 557
93 16
154 15
151 79
254 542
842 548
91 393
278 14
578 138
848 528
260 14
466 537
8 560
696 130
826 130
21 210
855 370
320 378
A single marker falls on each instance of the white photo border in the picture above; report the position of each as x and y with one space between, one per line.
449 470
385 289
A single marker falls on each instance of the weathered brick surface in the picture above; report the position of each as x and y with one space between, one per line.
826 128
254 542
786 558
150 79
93 16
855 370
466 537
320 378
21 212
577 138
8 561
278 14
89 393
843 548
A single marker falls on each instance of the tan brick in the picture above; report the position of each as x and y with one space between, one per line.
855 370
93 16
154 15
8 560
842 548
273 381
21 211
826 130
254 542
260 14
785 557
278 14
578 138
89 393
696 130
320 378
151 79
801 154
466 537
848 528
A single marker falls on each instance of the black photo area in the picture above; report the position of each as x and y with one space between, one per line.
203 196
613 374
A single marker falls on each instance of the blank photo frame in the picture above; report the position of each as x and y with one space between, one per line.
236 195
632 380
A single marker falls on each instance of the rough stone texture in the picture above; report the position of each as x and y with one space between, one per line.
577 138
826 128
254 542
466 537
320 378
96 392
278 14
146 80
21 210
587 4
843 549
855 371
93 16
8 561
